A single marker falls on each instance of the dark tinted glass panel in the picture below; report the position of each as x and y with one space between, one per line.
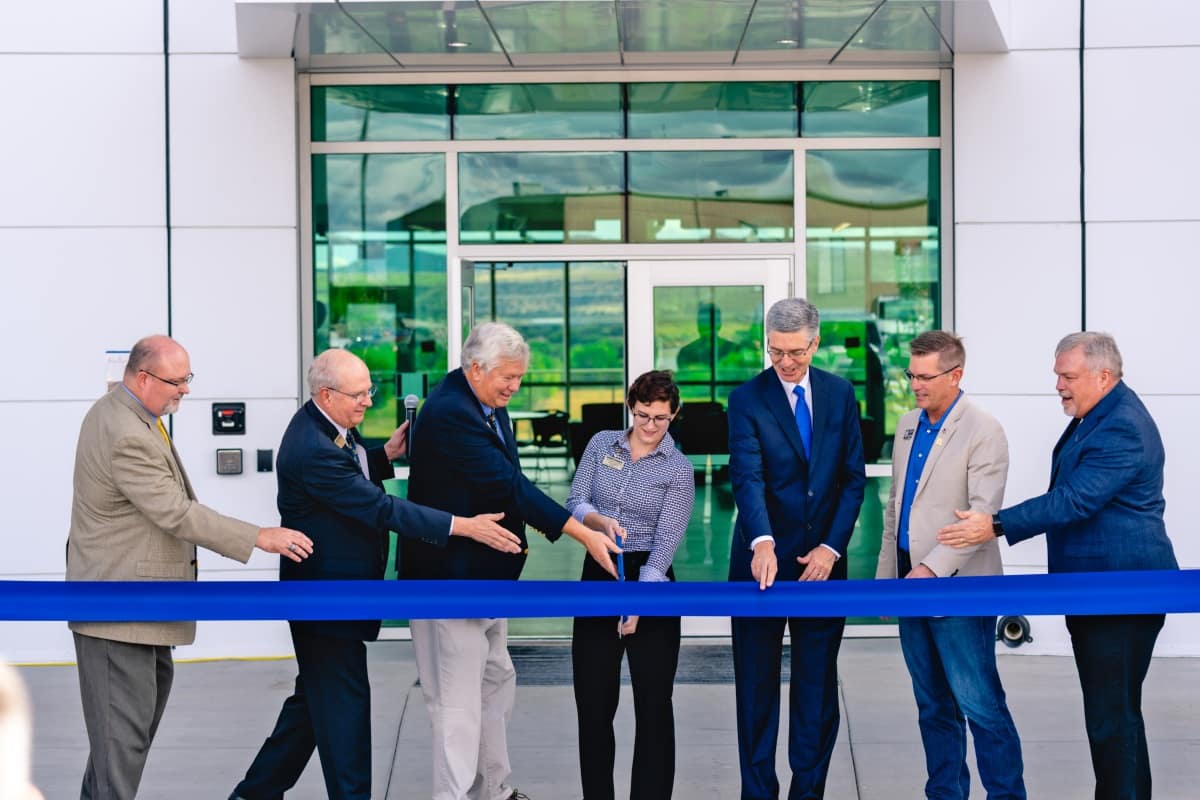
711 110
379 269
538 111
869 108
873 259
712 338
379 113
713 196
541 197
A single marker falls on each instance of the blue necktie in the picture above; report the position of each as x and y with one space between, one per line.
494 424
803 421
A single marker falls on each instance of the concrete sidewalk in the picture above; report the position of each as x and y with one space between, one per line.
221 711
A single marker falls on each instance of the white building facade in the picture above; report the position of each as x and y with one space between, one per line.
158 160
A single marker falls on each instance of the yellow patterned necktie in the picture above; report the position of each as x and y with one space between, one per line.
163 430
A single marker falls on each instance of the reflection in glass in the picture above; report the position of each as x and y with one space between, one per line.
541 197
711 336
538 111
710 196
379 268
581 26
873 264
711 110
379 113
573 317
699 26
870 108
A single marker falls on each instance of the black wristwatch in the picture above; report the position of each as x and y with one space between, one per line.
997 527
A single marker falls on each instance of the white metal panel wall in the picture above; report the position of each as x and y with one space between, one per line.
82 254
234 280
1019 282
84 244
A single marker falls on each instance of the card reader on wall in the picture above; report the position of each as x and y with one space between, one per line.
229 419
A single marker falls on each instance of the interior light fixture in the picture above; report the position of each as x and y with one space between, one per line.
458 45
841 226
786 42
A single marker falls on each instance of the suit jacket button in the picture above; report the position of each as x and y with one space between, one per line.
810 492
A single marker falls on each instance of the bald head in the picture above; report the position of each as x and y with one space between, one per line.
340 384
158 373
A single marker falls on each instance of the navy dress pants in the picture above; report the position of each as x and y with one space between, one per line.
812 702
330 711
1112 655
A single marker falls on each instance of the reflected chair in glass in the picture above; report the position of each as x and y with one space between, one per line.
551 440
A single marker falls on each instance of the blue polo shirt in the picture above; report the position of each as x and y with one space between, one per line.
926 435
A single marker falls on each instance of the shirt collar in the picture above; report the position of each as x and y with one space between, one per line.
924 420
340 429
665 446
805 382
139 401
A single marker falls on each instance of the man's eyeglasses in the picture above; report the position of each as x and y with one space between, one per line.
795 355
927 378
358 397
641 418
186 379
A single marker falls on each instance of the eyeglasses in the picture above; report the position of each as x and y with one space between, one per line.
358 397
927 378
642 418
795 355
186 379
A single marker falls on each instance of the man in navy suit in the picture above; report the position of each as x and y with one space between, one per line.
1103 511
796 464
329 487
464 459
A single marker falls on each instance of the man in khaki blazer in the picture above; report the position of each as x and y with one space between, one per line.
950 454
134 517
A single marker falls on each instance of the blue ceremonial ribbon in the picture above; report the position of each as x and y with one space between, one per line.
1151 592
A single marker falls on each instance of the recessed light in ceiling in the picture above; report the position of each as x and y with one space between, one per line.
787 42
458 45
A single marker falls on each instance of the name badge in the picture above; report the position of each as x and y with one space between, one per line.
908 433
938 442
612 462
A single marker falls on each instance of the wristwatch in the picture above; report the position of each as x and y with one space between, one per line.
997 527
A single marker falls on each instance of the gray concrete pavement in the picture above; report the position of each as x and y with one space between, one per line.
221 711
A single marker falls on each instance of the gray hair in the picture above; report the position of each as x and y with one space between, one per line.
327 369
492 342
1099 351
794 314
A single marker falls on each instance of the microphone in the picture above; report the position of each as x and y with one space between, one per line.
410 414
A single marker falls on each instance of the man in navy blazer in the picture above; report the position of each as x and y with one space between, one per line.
463 458
329 487
796 463
1103 511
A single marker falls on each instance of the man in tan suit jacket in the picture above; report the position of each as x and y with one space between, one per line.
950 454
134 517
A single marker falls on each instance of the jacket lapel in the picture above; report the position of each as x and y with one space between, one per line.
816 383
1078 430
167 449
773 397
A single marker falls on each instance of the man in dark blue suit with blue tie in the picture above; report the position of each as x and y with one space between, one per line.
1103 511
329 487
796 464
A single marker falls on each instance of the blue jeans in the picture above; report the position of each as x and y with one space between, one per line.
952 661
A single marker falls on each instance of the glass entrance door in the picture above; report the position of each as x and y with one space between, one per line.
703 319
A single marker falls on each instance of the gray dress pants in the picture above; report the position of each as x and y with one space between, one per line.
124 688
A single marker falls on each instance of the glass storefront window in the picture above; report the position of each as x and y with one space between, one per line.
379 263
710 336
873 263
711 110
379 113
538 111
572 314
717 196
530 198
870 108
